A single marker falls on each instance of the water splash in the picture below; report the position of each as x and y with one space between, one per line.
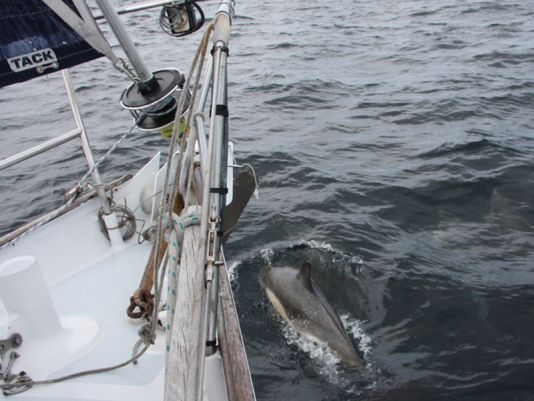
321 356
320 245
356 330
323 359
233 271
267 255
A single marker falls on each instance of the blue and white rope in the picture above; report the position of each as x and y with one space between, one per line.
174 235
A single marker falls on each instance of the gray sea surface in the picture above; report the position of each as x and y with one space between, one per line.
393 141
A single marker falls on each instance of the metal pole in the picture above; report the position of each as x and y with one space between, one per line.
218 199
218 129
199 127
138 7
85 141
199 118
122 36
208 228
41 148
205 232
110 219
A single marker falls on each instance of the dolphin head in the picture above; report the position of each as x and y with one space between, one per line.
300 302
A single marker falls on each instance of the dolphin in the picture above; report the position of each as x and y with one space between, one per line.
301 303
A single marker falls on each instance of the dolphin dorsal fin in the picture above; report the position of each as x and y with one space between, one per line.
304 276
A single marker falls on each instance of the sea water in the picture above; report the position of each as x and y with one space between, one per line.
393 141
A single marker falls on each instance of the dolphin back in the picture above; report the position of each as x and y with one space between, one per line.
300 302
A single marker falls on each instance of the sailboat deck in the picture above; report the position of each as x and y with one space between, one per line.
90 295
90 285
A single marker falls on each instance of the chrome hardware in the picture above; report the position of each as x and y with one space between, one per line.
14 341
6 376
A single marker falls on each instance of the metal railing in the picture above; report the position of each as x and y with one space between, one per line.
41 148
78 132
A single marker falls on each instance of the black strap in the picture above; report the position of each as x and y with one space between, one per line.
221 110
224 49
220 190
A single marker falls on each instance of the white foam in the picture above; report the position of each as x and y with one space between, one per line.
326 247
324 360
267 255
357 260
355 329
232 271
321 355
323 246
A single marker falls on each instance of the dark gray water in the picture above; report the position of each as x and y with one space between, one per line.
400 132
